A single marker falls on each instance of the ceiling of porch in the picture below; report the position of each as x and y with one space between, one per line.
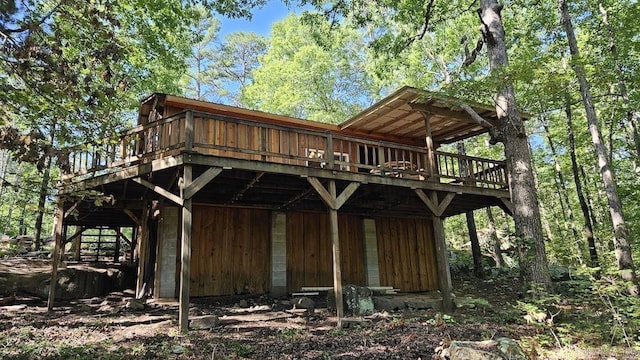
402 115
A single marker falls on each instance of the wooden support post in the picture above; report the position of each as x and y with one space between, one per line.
335 240
185 267
56 254
99 243
328 153
116 255
77 248
444 275
334 202
431 154
188 132
142 249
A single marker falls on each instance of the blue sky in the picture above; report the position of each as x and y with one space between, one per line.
261 22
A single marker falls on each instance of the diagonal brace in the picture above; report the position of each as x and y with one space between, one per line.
197 184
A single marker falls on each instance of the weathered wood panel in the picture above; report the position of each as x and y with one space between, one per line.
231 251
406 252
309 260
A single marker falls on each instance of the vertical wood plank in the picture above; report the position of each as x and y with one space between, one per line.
421 250
411 242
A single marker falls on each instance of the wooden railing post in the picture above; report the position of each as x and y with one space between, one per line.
188 131
328 153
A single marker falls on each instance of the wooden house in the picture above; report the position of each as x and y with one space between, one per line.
228 201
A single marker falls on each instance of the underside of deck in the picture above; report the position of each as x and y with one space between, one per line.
245 183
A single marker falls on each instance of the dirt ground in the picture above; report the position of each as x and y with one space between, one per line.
268 328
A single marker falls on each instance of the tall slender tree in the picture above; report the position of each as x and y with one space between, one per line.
588 224
620 238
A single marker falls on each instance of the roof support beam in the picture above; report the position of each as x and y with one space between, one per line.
159 190
133 216
507 206
437 208
200 182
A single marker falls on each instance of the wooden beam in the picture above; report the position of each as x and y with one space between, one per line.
444 274
346 194
56 254
447 113
475 116
116 252
507 206
425 199
329 200
188 131
430 146
133 216
77 249
335 240
75 235
296 198
122 174
142 250
445 203
72 208
159 190
251 183
122 235
363 178
201 182
185 263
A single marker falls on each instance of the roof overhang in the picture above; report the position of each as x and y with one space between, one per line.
402 115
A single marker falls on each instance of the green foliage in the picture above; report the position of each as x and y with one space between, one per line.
311 72
240 349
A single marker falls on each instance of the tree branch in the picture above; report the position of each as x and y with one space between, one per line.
425 25
475 116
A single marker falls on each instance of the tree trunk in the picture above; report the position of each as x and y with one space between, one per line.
531 248
496 253
621 243
478 271
476 252
42 198
588 227
564 193
622 86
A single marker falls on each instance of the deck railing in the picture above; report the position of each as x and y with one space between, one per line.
223 136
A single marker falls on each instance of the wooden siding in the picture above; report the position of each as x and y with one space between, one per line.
231 251
406 250
309 251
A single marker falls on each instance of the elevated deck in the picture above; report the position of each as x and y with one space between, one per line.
265 165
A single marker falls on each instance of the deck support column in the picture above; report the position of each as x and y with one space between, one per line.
444 274
334 202
437 209
335 241
185 263
59 244
142 246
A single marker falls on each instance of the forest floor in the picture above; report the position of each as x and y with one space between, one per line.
568 327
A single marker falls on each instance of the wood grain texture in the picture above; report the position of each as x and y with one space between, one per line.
406 252
231 251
